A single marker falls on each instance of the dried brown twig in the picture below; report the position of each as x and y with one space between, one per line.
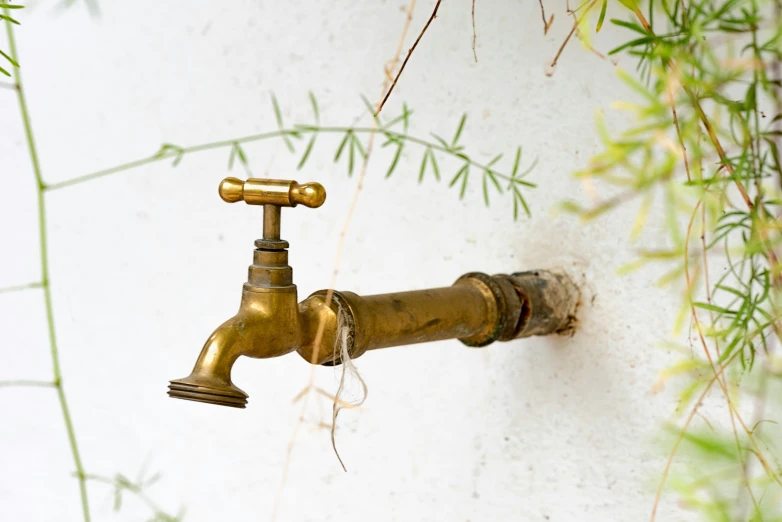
391 65
409 54
473 32
576 22
546 25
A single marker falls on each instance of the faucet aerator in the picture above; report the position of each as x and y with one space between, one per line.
200 389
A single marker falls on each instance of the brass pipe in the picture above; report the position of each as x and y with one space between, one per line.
478 310
463 311
422 316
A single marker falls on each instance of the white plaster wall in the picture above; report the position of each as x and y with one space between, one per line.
145 264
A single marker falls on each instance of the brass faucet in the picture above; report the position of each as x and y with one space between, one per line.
478 309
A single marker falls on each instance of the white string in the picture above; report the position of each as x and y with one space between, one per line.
342 346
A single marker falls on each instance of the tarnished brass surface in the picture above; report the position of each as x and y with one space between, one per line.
478 309
267 325
397 319
421 316
282 193
314 311
271 222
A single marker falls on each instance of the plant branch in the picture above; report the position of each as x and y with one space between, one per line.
705 264
474 36
389 68
300 129
27 383
682 432
576 22
776 67
546 24
122 484
679 132
716 143
718 376
701 113
722 383
19 288
45 282
409 54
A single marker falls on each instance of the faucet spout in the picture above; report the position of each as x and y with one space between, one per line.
210 380
267 325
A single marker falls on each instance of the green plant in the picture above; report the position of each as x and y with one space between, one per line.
706 143
56 383
351 149
8 19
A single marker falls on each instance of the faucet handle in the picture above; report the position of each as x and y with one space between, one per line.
278 192
273 194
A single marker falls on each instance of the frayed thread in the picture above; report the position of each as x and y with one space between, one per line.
342 345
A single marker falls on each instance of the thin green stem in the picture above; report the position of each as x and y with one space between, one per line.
19 288
45 282
27 383
159 157
297 130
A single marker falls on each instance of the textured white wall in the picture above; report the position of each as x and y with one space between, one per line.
145 264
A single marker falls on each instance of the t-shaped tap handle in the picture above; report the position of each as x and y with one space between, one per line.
272 194
279 192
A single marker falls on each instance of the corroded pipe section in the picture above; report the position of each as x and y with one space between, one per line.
549 302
